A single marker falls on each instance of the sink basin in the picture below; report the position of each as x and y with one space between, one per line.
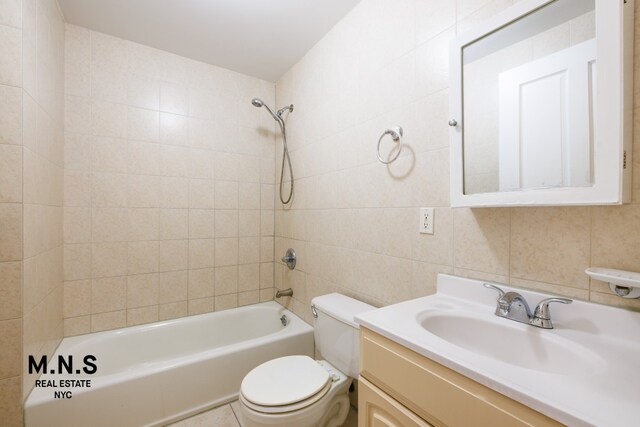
582 373
513 343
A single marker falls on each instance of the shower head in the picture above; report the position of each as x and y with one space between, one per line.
257 102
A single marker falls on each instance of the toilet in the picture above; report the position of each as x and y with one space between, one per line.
297 391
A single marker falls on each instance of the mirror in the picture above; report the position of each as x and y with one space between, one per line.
541 106
528 101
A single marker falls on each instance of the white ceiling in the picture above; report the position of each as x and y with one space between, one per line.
261 38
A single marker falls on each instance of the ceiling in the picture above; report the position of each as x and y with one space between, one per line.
261 38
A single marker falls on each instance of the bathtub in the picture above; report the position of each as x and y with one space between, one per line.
161 372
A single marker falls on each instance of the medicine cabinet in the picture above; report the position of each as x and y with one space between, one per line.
541 106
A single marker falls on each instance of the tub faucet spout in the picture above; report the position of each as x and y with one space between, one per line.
284 293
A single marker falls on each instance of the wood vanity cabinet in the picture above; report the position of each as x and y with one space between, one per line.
399 387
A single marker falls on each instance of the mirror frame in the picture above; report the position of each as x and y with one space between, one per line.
614 114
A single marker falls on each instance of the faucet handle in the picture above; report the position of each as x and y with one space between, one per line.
542 309
495 288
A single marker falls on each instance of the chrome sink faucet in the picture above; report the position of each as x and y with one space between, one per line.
513 306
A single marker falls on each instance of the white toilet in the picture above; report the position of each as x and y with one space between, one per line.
297 391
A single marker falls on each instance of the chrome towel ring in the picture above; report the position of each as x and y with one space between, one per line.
396 134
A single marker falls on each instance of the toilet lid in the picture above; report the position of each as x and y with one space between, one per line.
284 381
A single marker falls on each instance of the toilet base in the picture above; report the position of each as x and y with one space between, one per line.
330 411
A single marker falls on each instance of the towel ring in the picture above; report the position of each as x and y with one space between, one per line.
396 134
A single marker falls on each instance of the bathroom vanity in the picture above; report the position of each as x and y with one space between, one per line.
449 360
399 387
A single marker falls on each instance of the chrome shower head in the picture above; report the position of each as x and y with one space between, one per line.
257 102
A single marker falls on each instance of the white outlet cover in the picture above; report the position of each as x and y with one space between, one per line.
426 221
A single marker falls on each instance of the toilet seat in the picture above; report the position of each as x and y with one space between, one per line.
287 408
285 384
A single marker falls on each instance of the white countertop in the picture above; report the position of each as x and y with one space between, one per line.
601 387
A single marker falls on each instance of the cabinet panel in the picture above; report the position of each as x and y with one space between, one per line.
437 393
376 409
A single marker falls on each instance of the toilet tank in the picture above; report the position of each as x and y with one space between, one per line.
335 331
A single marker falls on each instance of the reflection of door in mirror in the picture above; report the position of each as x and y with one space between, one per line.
528 97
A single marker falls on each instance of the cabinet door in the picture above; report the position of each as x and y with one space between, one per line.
377 409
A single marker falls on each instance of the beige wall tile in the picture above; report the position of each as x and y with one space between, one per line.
226 302
200 306
174 255
77 326
77 261
143 158
226 223
144 191
109 190
108 294
266 294
481 240
551 245
201 283
173 286
142 290
226 194
10 115
201 253
249 297
111 259
77 225
11 176
106 321
11 348
77 298
143 124
11 290
174 224
143 257
11 60
174 129
249 223
226 280
614 243
109 154
248 277
11 13
11 236
173 98
11 401
108 120
552 288
174 193
201 223
143 224
172 310
226 252
109 225
137 316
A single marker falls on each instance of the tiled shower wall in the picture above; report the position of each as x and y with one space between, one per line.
31 173
354 221
169 186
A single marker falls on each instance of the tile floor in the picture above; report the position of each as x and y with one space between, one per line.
225 416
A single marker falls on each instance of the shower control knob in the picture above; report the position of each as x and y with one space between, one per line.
290 258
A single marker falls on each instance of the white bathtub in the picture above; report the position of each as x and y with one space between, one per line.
157 373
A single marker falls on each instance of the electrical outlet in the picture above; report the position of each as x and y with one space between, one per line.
426 221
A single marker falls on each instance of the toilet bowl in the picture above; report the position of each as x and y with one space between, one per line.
297 391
